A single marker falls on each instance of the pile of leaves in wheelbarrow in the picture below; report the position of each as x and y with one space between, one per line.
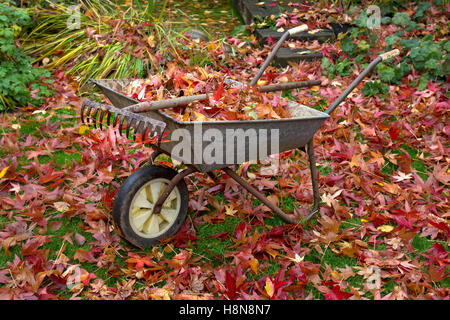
225 101
382 231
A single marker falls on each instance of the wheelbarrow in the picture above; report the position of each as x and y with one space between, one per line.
153 201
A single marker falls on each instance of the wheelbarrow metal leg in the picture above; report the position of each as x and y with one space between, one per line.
153 156
269 204
315 184
170 187
259 196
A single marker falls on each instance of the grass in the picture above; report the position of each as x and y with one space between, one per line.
213 249
130 54
71 225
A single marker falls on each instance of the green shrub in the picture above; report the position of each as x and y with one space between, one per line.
20 82
374 88
430 59
342 67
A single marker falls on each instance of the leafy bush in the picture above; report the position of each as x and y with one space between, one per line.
373 88
342 67
20 82
429 58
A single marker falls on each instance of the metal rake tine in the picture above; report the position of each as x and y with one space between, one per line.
83 108
129 124
121 124
88 113
144 131
152 130
116 119
108 118
94 117
137 128
102 114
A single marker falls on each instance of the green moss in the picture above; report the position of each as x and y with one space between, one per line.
68 226
220 197
274 221
61 158
351 223
210 248
324 170
30 127
316 293
421 244
330 258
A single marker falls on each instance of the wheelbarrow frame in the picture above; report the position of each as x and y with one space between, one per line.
298 134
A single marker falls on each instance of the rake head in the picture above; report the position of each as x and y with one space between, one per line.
93 113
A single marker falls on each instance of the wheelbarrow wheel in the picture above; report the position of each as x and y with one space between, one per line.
134 202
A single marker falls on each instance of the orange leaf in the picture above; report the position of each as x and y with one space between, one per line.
254 265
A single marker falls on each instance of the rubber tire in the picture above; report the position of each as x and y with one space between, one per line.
126 193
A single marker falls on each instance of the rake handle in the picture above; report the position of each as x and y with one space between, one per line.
167 103
176 102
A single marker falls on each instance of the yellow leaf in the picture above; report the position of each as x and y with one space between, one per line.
83 129
270 288
3 172
230 211
151 41
272 252
354 162
186 116
385 228
204 75
391 188
261 82
61 206
199 116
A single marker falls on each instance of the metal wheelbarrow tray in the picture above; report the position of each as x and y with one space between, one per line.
152 203
293 132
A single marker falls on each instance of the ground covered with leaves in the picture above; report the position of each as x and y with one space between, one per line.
382 230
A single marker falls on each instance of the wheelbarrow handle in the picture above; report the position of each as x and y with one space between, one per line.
390 54
297 29
274 51
361 76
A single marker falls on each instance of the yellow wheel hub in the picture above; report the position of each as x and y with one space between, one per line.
142 220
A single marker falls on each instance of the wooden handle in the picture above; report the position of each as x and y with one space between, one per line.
298 29
389 54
